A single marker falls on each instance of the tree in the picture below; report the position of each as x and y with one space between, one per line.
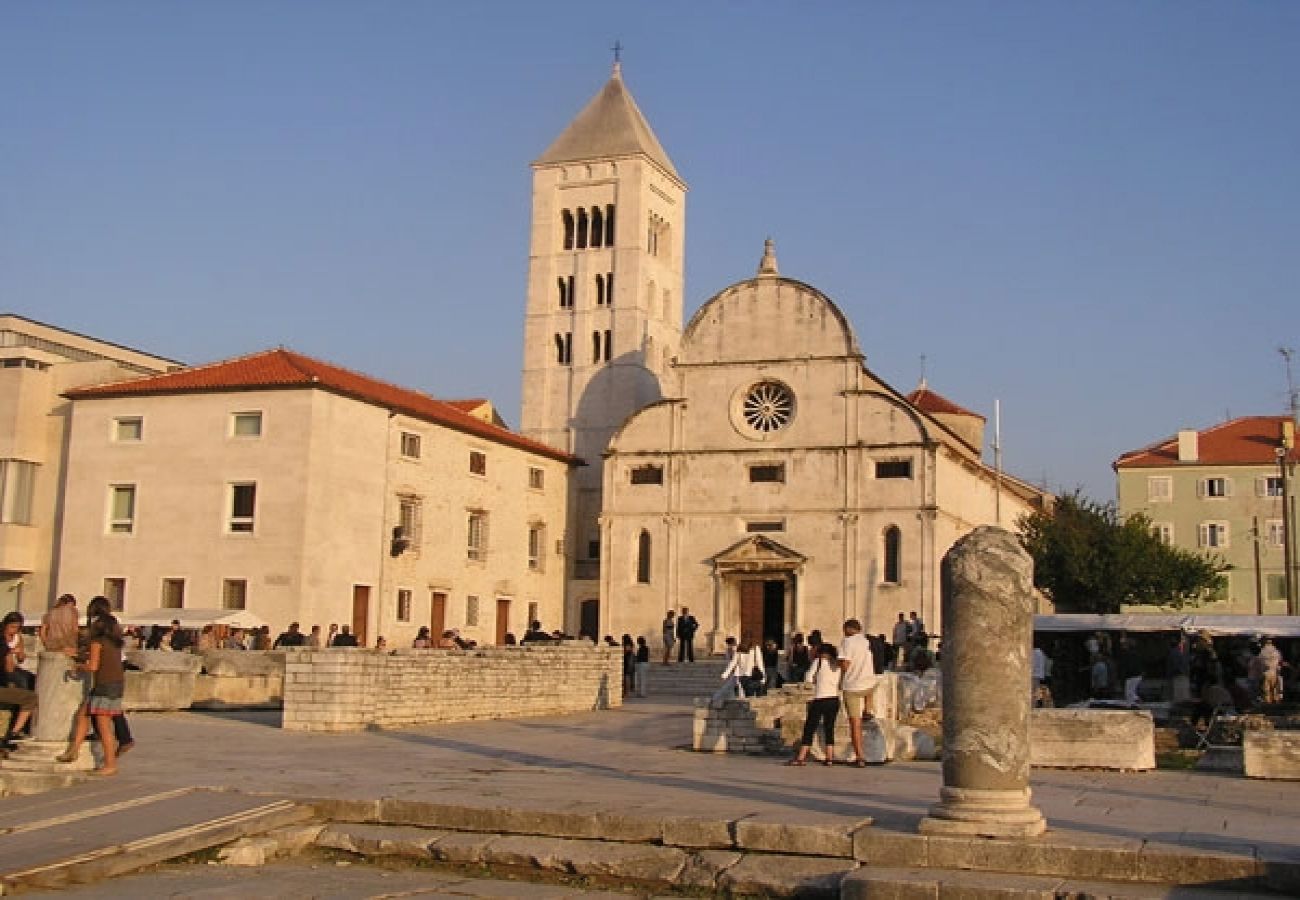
1088 560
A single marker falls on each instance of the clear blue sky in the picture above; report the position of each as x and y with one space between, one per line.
1088 210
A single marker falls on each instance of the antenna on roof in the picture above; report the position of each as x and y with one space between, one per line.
922 386
997 462
1292 393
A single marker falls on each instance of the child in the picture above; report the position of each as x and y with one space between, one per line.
824 707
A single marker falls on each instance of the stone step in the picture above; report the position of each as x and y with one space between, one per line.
874 882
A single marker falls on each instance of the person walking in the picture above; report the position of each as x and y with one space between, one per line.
642 673
687 625
670 636
823 708
104 662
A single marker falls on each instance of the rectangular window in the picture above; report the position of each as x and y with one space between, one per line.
410 445
403 605
234 593
246 424
243 504
1216 487
1160 488
532 612
767 472
471 611
894 468
1214 535
1276 587
593 549
1274 532
647 475
1164 531
121 509
17 488
173 593
536 478
1269 486
536 543
765 526
410 515
477 462
478 535
115 592
128 428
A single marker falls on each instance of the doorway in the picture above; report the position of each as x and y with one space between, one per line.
360 612
589 620
503 620
437 615
762 612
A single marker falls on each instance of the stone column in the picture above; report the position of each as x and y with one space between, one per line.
987 603
59 692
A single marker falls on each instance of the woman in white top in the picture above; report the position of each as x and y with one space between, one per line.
824 707
739 672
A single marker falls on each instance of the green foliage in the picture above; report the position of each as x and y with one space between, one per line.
1089 561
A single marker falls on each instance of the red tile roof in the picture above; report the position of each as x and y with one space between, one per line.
927 401
281 368
1251 440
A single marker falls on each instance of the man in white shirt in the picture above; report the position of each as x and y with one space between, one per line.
858 682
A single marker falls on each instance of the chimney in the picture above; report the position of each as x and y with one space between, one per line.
1187 445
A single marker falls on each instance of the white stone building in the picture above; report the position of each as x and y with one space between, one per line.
302 491
38 363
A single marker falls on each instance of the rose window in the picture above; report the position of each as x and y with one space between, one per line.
768 407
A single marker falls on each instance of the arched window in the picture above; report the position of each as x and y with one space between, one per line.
559 349
572 295
568 229
582 229
893 555
609 289
608 342
564 292
595 346
597 226
643 557
609 225
600 290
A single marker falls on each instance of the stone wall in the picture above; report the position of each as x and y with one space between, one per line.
349 690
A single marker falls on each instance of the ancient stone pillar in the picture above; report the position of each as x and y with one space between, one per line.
59 694
987 584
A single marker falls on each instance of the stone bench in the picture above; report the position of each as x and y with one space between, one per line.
1092 738
1271 754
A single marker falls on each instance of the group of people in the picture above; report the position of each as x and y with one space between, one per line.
97 654
843 678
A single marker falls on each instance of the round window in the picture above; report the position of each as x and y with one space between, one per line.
768 407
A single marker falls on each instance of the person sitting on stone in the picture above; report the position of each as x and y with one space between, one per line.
345 637
20 699
292 638
535 634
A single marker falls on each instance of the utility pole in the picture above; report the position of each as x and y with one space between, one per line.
1286 441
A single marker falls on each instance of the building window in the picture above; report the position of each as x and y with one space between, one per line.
403 605
1275 532
477 541
477 462
234 593
609 225
1269 486
246 424
1164 531
648 474
1160 489
536 478
595 346
609 288
1276 587
128 428
643 557
536 546
768 407
894 468
243 505
410 445
567 219
121 509
17 489
471 611
173 593
597 226
533 611
765 525
115 593
581 243
767 472
1216 487
1214 535
593 549
609 344
410 511
893 547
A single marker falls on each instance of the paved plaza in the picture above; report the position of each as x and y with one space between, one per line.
631 760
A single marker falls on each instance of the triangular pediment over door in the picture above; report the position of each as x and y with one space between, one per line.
757 555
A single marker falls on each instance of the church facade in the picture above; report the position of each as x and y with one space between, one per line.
750 467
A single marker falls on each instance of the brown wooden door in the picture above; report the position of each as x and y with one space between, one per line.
503 619
437 615
360 612
751 613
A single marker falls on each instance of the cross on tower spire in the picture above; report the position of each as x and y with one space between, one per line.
618 56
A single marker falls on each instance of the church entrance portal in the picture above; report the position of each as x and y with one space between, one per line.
762 612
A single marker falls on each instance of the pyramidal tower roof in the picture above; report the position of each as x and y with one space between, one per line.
610 125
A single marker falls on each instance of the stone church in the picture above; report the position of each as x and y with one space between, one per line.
749 465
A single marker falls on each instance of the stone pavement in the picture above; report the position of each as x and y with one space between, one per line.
631 760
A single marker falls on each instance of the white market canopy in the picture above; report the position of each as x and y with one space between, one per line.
195 618
1217 626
